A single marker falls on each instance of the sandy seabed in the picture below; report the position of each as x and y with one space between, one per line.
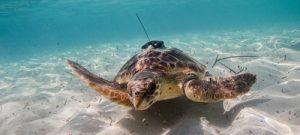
39 96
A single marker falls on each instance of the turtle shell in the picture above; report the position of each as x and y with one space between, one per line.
171 62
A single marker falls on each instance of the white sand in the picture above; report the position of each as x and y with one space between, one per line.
39 96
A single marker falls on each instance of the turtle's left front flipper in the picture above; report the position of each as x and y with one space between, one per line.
212 89
110 90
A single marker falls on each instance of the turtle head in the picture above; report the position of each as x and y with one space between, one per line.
144 89
154 44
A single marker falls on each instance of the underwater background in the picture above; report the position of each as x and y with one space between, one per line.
39 95
33 28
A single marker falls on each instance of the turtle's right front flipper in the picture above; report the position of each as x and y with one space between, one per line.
212 88
108 89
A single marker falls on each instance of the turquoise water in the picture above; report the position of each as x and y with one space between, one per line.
40 95
35 28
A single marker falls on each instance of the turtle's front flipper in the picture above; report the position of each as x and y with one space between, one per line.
110 90
212 89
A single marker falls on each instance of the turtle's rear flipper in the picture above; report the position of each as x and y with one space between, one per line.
212 89
110 90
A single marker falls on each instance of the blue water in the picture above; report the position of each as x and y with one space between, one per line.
30 29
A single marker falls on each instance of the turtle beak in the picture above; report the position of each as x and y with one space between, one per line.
137 102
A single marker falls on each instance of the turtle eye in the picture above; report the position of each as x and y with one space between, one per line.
152 88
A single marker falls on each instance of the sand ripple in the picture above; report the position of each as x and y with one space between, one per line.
40 96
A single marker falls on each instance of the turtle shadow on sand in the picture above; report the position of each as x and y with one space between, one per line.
181 116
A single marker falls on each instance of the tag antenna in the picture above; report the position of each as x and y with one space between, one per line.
142 26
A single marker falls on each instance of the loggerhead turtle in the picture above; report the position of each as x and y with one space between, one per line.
160 74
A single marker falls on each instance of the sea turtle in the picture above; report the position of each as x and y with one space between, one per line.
160 74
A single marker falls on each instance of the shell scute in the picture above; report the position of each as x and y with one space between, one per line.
169 61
